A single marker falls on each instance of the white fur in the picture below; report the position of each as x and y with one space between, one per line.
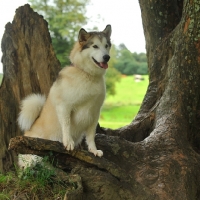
72 108
31 107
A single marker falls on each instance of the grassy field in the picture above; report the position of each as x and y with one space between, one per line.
120 109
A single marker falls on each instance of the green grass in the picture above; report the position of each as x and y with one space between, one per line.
128 91
39 182
120 109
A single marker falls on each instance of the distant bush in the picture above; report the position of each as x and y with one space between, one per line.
130 63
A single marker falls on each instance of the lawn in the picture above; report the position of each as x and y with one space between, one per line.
120 109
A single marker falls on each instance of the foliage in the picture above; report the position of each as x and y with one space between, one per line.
119 110
130 63
65 18
112 75
39 174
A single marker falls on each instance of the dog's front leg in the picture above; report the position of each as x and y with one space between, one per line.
90 139
64 118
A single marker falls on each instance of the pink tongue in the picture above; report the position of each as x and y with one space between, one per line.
104 65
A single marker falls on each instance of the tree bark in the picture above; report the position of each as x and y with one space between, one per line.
156 157
29 65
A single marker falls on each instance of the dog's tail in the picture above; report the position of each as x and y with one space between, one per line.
31 107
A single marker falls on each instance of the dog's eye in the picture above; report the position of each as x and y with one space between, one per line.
95 46
106 46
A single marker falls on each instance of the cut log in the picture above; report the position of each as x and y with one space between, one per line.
29 66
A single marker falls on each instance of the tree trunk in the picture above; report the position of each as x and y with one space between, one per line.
29 65
156 157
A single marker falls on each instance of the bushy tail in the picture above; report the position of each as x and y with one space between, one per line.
31 107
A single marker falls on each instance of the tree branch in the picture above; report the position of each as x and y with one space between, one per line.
139 129
41 147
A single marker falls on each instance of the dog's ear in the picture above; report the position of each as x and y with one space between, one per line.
108 30
83 35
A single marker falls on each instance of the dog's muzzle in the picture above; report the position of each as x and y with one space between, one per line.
103 64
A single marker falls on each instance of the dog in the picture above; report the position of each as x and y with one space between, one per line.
72 108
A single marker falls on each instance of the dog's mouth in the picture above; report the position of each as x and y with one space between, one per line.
103 65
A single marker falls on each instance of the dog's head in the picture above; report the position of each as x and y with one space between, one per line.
93 49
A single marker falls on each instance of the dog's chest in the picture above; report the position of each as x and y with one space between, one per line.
91 91
88 103
86 113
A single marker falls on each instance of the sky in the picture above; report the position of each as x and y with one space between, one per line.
123 15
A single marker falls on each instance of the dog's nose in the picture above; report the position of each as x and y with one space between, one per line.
106 58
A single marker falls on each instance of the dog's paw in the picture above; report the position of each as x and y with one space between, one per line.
98 153
69 145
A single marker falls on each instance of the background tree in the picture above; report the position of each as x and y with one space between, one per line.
130 63
112 75
65 18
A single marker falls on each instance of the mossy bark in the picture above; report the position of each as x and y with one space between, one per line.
156 157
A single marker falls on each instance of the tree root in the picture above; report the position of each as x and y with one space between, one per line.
137 130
